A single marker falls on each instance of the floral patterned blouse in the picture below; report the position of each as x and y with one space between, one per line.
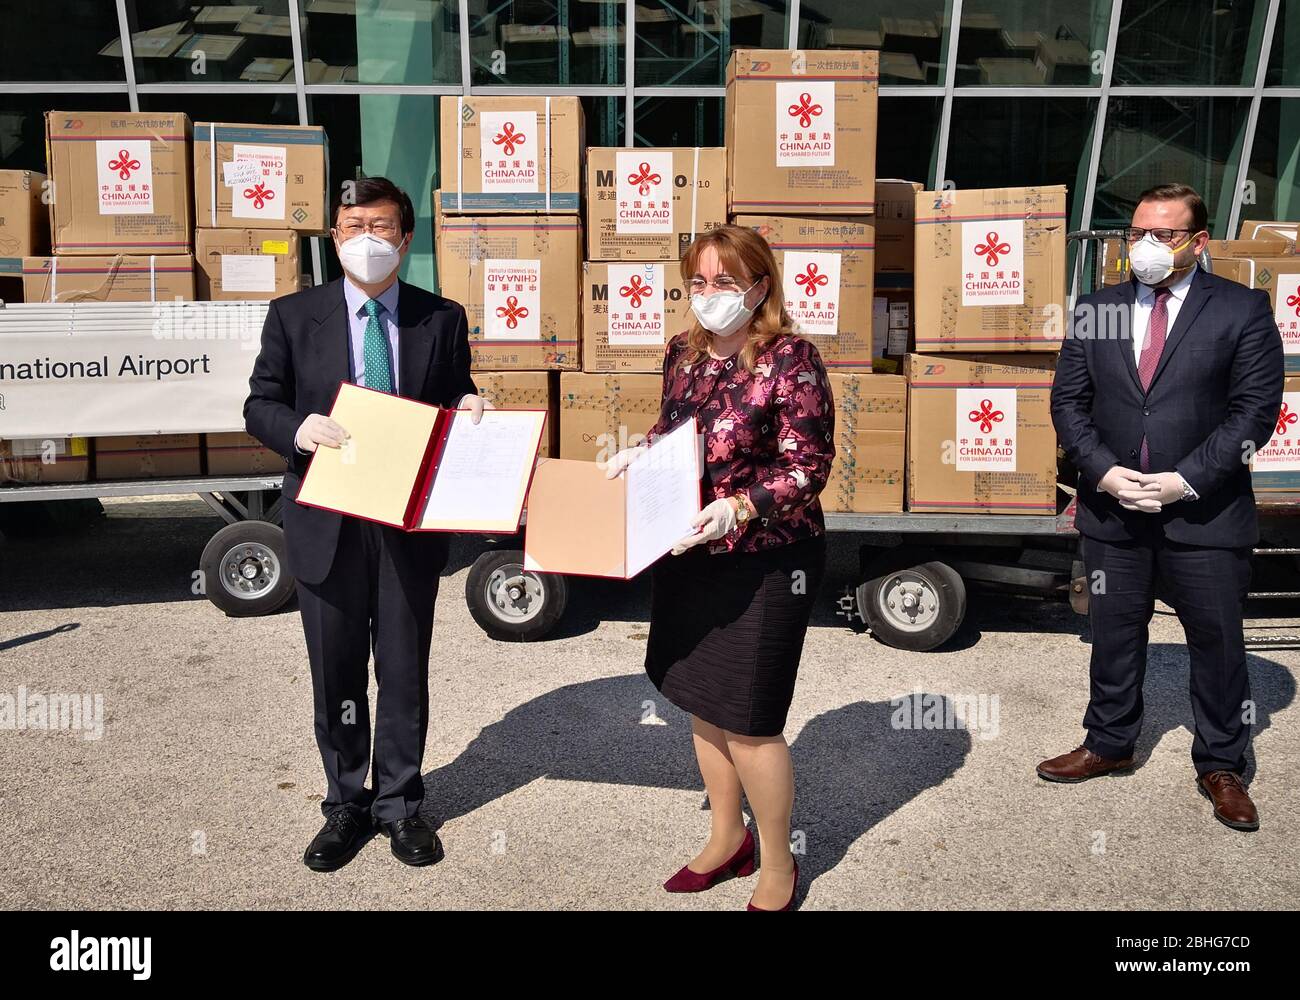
769 435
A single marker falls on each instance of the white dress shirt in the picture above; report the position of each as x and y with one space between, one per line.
1143 303
1146 301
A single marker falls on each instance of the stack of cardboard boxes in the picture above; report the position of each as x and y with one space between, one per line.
124 192
258 191
801 141
989 319
509 239
1264 256
644 207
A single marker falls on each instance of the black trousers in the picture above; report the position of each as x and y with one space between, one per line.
1207 588
378 596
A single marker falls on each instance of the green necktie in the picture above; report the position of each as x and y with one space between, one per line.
378 371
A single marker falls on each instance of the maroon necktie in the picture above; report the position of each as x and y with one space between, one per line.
1150 358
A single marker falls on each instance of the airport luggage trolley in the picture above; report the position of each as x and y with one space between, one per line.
243 562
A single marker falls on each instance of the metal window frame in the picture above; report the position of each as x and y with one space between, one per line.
947 91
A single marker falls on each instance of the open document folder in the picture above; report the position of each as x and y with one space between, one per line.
422 468
583 524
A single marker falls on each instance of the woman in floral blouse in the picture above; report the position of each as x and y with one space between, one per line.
730 606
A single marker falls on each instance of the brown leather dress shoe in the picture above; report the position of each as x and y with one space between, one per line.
1081 764
1232 805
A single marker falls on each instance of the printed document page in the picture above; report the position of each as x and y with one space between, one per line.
663 496
483 472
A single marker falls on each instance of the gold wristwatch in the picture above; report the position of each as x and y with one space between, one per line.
743 511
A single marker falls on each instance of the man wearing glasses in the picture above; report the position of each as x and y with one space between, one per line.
362 585
1165 387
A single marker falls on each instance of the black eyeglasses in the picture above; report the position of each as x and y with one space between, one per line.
1133 234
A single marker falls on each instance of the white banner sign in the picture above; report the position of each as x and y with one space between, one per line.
126 367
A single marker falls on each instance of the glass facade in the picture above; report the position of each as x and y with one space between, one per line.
1104 96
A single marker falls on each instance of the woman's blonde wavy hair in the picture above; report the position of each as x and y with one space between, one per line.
746 256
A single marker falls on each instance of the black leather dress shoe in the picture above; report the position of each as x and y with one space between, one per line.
338 842
412 841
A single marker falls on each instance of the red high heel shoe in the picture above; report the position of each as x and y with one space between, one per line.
740 864
794 890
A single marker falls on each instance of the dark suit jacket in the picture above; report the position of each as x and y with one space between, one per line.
1214 400
305 355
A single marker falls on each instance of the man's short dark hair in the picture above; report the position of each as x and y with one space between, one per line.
366 191
1187 195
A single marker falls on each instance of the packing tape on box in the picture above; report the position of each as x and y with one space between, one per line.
212 162
695 187
153 278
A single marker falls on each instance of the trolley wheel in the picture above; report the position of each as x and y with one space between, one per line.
243 569
510 603
913 604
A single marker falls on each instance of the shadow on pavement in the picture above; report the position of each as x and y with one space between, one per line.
852 767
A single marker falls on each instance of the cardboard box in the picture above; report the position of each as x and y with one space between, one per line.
147 456
120 278
518 279
1064 61
979 434
45 460
990 269
892 329
629 313
649 204
1280 277
235 264
526 391
11 279
1263 230
1268 246
896 226
282 184
919 36
239 454
495 156
870 444
121 182
1276 467
1004 72
24 220
827 266
801 131
602 414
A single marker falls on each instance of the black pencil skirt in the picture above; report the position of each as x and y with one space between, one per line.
727 631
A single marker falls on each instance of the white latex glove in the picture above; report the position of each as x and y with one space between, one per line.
1126 486
319 429
713 522
622 460
476 405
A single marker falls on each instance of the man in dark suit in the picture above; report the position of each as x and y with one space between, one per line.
362 585
1165 387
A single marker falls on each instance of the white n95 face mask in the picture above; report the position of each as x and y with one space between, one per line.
368 258
722 313
1153 261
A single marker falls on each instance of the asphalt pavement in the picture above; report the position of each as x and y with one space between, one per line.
557 777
